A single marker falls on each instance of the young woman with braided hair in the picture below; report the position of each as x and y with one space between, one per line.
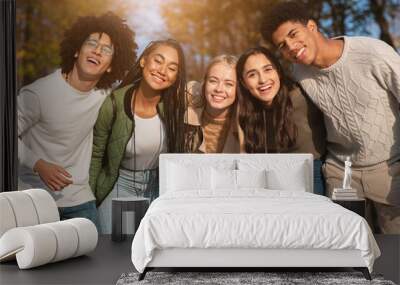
141 119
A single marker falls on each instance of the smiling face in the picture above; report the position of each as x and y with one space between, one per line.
94 57
297 42
160 67
261 78
220 87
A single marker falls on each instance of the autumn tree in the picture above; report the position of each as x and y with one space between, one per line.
207 28
385 11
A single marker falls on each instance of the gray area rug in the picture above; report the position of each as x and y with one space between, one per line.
232 278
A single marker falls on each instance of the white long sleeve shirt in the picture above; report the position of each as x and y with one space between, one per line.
55 123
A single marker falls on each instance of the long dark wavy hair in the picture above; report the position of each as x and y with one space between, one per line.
252 111
122 38
174 98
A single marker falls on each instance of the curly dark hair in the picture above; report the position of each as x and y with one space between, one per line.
252 112
283 11
122 38
174 97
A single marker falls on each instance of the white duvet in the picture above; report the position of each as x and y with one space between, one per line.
250 219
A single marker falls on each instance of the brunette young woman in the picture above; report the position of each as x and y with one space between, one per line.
141 119
275 115
211 125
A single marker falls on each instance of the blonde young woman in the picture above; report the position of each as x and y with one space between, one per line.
211 125
141 119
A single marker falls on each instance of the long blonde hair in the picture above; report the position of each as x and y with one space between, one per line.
231 60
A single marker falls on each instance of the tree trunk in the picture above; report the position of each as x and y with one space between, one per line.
378 10
338 16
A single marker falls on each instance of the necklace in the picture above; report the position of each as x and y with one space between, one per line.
66 78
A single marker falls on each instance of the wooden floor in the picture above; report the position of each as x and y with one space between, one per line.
110 259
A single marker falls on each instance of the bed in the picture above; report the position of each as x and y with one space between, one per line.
247 210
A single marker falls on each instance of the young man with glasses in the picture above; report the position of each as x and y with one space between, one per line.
355 81
56 113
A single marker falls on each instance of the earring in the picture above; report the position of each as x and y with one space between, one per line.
76 55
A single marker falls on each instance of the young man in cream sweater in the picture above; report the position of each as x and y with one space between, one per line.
355 81
56 113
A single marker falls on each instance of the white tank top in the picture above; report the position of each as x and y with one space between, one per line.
150 142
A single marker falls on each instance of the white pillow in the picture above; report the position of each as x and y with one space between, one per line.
182 177
228 179
251 178
223 179
293 178
281 174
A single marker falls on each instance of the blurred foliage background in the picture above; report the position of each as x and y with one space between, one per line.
206 28
209 27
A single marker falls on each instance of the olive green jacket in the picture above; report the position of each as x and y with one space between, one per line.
112 132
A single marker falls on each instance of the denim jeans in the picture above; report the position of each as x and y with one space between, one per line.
319 181
86 210
139 183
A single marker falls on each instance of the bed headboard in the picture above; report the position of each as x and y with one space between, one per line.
282 163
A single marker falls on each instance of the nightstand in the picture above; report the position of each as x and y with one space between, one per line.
356 205
138 205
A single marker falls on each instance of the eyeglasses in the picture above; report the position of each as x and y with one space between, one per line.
104 49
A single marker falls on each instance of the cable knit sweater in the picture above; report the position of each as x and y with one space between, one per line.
359 96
